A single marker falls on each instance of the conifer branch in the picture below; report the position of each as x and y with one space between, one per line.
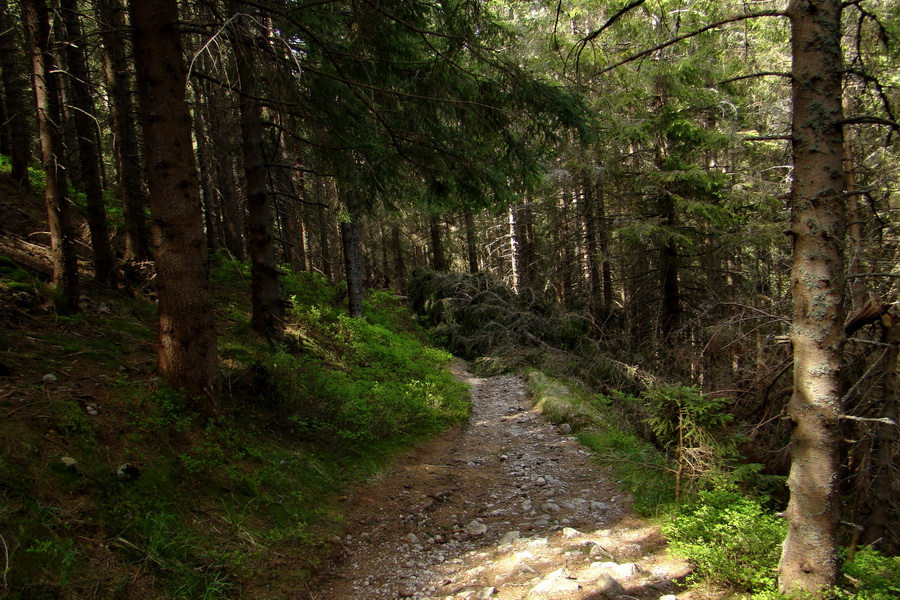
696 32
759 74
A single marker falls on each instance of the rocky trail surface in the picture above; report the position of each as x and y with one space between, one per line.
508 506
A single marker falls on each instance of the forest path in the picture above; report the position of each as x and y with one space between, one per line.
504 507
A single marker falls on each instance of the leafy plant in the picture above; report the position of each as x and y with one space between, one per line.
872 576
729 537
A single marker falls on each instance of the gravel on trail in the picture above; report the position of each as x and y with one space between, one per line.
507 506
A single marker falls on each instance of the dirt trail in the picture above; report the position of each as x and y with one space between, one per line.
505 507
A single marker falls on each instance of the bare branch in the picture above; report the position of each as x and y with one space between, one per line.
870 120
884 420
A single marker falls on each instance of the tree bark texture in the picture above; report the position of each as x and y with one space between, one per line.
14 88
46 97
187 352
83 115
267 302
130 176
809 559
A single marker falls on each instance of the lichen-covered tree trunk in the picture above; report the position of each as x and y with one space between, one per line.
46 97
809 559
187 351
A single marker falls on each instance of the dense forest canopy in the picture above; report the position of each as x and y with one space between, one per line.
687 191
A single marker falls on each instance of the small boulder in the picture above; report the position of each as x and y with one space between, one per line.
508 538
476 528
608 586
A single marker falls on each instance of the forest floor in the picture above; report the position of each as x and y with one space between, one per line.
508 506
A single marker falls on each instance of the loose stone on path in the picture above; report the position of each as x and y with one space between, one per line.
506 507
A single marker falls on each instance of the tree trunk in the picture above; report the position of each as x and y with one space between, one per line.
399 263
590 234
267 302
130 177
324 226
471 242
187 352
211 214
62 231
603 240
15 95
884 489
439 261
818 225
524 233
854 230
223 148
350 236
515 268
83 115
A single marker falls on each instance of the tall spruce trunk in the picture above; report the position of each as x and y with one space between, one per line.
809 559
15 98
46 99
83 114
130 176
267 303
187 351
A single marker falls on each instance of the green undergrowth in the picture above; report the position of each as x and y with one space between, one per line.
717 513
112 485
603 427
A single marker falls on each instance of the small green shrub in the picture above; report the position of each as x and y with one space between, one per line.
872 576
730 538
639 467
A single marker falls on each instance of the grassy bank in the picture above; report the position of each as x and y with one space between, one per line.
112 487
